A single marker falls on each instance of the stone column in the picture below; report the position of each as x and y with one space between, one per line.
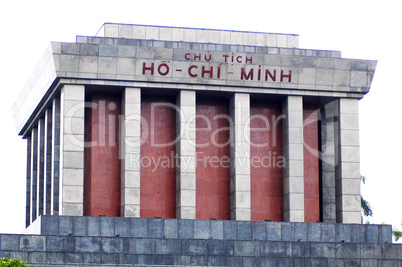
131 153
347 162
55 176
186 155
34 173
328 205
240 183
72 124
48 163
293 172
28 183
41 167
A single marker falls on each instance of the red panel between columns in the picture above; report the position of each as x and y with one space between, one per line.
102 163
213 160
158 149
311 164
266 161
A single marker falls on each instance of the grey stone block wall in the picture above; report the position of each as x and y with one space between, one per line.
91 50
40 250
209 229
107 241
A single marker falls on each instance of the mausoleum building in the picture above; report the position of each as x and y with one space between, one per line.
175 146
167 122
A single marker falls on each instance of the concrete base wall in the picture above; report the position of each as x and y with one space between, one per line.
97 241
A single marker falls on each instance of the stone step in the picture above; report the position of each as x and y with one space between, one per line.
104 265
108 241
134 251
209 229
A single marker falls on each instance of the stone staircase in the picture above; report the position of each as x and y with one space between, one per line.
108 241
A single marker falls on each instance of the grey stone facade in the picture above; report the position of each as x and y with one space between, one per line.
98 241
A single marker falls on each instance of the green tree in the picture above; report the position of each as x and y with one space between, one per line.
397 234
6 262
366 207
368 212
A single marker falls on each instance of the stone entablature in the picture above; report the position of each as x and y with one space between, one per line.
247 67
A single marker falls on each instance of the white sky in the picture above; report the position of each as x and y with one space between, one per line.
360 29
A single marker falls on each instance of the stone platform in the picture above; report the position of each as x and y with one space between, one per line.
108 241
